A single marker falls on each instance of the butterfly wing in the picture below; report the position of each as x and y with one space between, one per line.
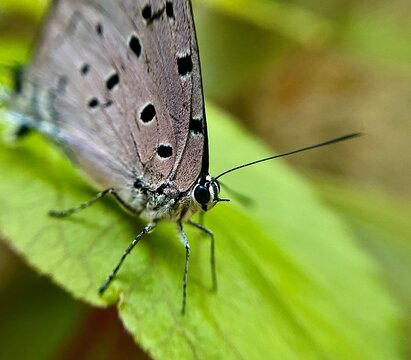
118 85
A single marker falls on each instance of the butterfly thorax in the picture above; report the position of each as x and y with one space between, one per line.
167 202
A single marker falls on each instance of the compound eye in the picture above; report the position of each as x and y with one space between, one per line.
202 195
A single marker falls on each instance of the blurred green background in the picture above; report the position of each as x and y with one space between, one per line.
295 73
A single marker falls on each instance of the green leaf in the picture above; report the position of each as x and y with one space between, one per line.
34 8
292 281
379 37
302 25
382 223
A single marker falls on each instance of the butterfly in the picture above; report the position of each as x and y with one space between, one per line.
117 86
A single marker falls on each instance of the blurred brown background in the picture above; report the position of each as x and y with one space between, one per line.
354 74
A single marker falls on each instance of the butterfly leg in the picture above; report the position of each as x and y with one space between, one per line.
112 275
212 252
68 212
185 277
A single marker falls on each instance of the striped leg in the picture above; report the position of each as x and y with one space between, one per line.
68 212
185 277
212 252
112 275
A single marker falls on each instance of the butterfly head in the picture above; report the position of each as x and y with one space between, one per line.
205 193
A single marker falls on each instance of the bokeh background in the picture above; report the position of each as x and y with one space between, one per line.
294 73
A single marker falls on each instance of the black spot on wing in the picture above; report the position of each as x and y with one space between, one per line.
93 103
169 9
196 126
135 45
146 13
99 29
148 113
108 103
85 69
150 16
165 151
112 81
185 65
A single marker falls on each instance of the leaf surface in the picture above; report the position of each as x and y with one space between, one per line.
292 281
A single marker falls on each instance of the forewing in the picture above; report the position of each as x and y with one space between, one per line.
118 84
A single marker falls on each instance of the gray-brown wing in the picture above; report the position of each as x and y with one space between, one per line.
118 84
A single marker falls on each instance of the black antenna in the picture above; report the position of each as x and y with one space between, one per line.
328 142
